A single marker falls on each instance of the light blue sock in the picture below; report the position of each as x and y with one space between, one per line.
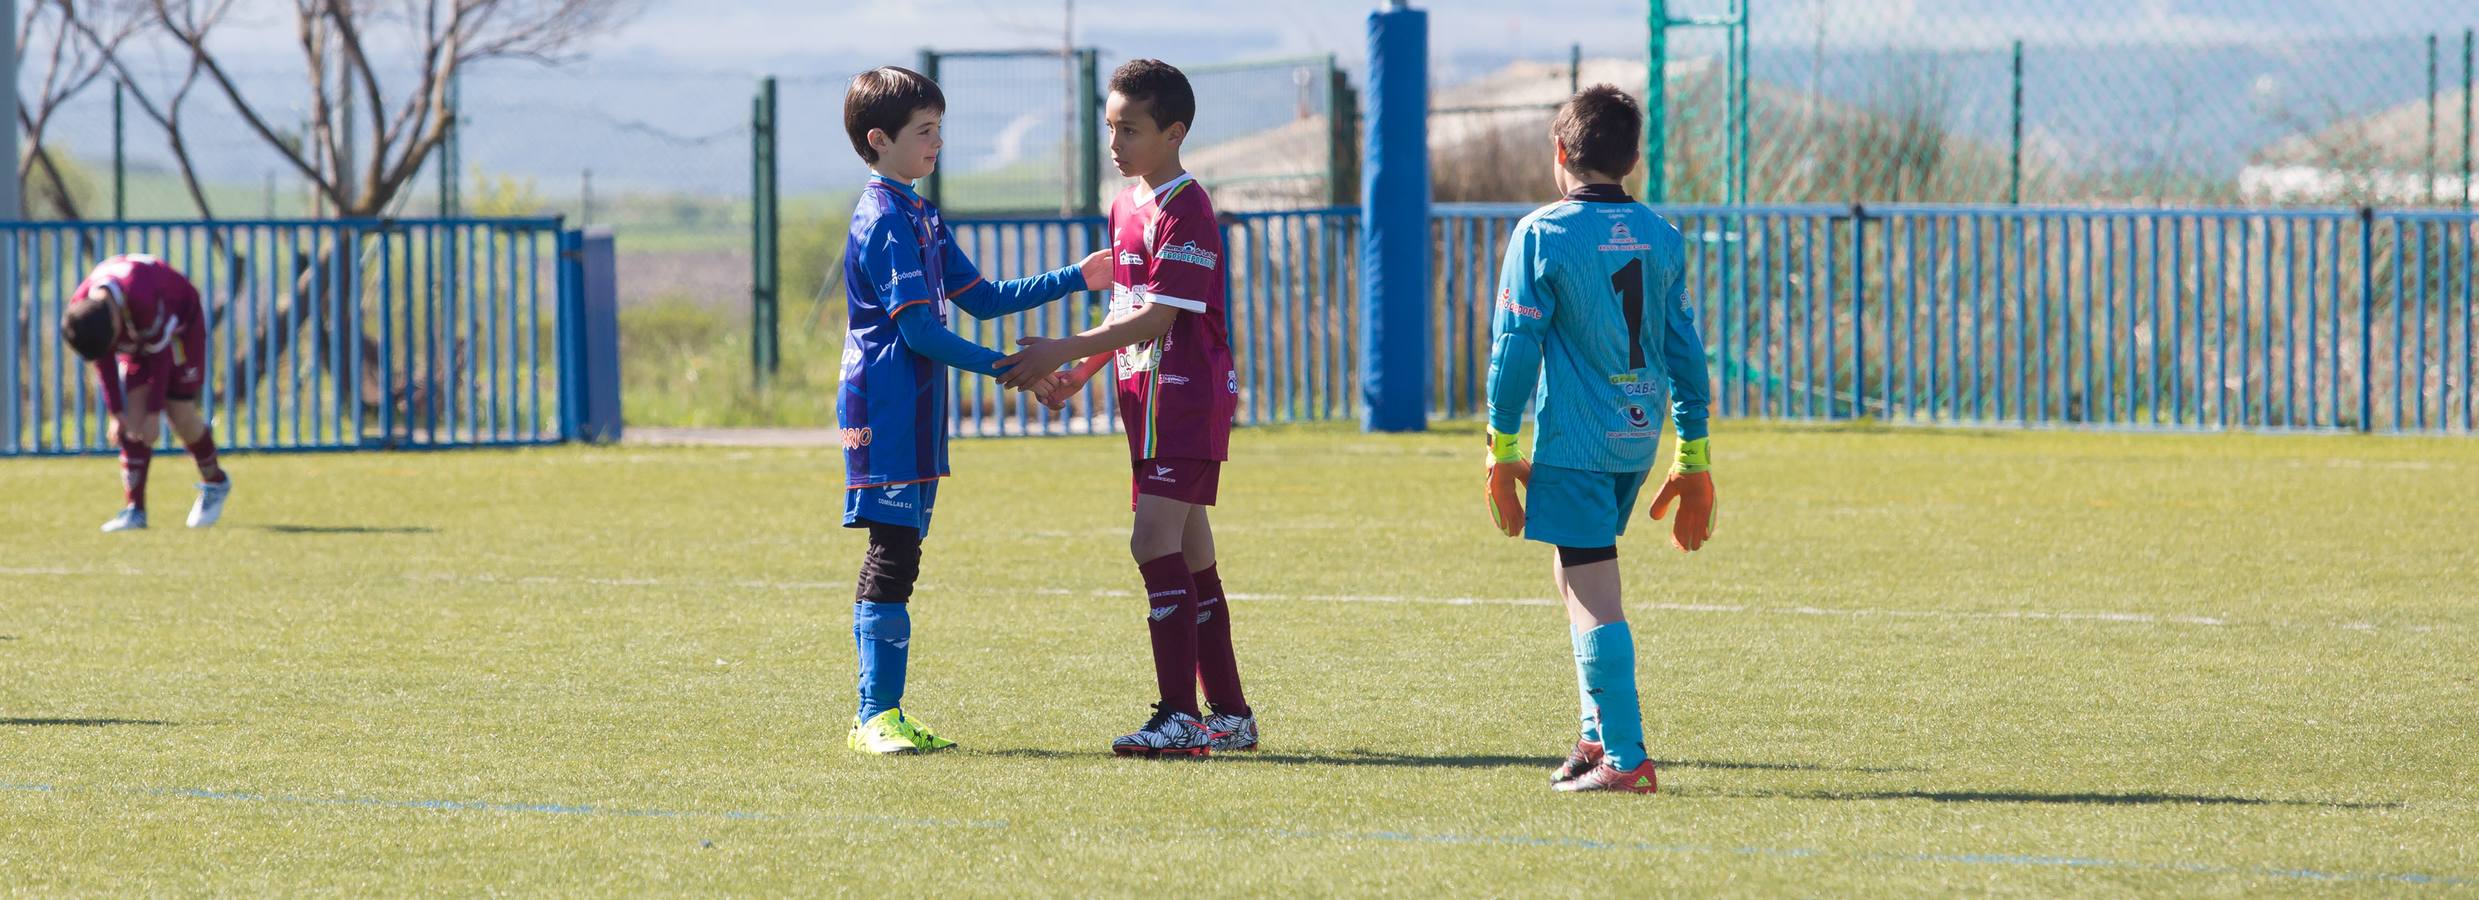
1583 688
1608 660
883 634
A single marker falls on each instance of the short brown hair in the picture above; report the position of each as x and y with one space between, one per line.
1600 127
1159 84
884 99
87 327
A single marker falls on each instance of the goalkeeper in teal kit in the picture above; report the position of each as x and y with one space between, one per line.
1593 336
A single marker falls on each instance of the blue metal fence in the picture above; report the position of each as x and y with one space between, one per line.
2159 319
325 334
1292 282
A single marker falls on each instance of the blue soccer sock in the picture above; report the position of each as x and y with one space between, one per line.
883 633
1583 688
1607 658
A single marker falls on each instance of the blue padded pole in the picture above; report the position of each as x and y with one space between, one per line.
1394 292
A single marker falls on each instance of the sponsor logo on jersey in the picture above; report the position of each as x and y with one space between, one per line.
1506 301
1631 435
1636 417
1170 380
1188 252
1623 240
857 438
1131 258
1142 356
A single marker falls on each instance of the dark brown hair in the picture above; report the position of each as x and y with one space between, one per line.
1600 127
1160 85
88 328
884 99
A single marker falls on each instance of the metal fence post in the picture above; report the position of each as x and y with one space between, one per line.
931 187
2014 152
1656 108
2366 319
1342 137
1859 310
765 276
120 153
1089 139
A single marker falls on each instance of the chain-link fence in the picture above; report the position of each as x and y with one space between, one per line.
2054 102
1266 136
2045 102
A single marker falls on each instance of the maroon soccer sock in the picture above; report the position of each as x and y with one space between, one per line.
136 455
1217 665
203 450
1171 596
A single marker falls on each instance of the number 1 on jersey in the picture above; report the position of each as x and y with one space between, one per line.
1628 281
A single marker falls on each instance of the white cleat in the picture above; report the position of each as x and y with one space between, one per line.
1166 734
1230 732
130 519
210 505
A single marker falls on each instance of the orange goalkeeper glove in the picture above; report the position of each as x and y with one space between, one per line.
1507 468
1692 486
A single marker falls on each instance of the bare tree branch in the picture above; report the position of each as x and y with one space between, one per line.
356 61
192 30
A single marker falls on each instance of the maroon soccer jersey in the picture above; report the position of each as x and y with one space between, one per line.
1177 393
163 338
159 301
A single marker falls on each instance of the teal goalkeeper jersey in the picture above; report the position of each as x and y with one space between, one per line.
1593 335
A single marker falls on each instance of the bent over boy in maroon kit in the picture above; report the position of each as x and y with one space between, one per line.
142 326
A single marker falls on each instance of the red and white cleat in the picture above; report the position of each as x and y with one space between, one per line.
1168 733
1587 755
1231 732
1603 777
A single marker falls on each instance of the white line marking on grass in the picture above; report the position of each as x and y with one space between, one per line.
2038 860
2125 618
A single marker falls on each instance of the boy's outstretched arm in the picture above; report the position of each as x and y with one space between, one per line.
1074 379
925 336
986 299
891 256
1042 356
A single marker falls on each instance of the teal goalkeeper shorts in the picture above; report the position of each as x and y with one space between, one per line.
1577 508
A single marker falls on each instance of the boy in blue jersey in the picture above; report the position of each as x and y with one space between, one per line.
902 270
1592 330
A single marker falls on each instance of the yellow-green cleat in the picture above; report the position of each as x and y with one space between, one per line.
891 732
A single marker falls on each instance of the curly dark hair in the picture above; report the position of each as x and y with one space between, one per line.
1159 84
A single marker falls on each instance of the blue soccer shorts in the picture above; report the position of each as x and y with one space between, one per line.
1578 508
892 504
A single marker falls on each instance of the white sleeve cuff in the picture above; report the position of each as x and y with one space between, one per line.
1194 306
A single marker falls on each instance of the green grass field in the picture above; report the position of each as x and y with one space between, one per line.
1913 662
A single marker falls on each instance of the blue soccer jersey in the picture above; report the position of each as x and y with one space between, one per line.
1594 336
902 273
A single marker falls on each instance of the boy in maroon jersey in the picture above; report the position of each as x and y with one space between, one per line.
141 325
1168 333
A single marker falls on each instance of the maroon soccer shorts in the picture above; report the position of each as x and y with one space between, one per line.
1192 481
